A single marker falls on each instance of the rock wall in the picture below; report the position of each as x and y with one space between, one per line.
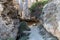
9 22
52 17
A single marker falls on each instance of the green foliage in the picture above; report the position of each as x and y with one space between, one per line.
32 8
36 8
23 26
24 38
54 38
10 38
0 39
44 0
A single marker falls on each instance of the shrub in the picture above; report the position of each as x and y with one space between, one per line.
36 9
23 26
10 38
21 34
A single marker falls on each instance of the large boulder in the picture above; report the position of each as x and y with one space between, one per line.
51 17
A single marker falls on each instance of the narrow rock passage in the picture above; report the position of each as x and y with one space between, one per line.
35 34
38 32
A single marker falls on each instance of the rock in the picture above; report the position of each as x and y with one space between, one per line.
8 28
1 8
45 34
9 22
51 17
22 33
38 32
3 1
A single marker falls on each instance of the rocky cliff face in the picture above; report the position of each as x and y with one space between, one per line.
9 22
12 29
52 17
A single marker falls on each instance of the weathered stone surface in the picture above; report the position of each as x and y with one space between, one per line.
9 22
52 17
1 9
8 28
38 32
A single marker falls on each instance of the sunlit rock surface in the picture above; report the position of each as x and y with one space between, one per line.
1 9
23 8
52 17
11 28
8 25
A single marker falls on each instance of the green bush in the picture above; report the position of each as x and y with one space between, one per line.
37 4
24 38
36 8
23 26
10 38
